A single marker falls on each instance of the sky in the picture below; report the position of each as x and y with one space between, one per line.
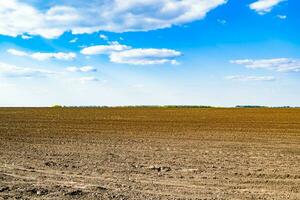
149 52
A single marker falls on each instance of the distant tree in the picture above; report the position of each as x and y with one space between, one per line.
57 106
250 106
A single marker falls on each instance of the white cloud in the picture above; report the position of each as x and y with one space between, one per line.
43 56
9 70
103 37
84 69
124 54
251 78
58 56
104 49
26 37
264 6
18 18
277 64
73 40
17 52
145 56
282 16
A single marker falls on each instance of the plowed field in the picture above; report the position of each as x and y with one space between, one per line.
149 153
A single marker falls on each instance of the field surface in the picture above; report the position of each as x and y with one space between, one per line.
149 153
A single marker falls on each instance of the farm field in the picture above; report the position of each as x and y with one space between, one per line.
149 153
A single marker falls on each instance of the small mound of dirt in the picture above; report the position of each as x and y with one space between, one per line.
38 191
75 193
160 168
4 189
50 164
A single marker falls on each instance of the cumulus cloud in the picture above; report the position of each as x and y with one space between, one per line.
104 49
277 64
145 56
43 56
18 17
124 54
84 69
250 78
9 70
264 6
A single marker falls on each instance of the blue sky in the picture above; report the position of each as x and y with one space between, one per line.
152 52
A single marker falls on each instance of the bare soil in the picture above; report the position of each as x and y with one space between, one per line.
149 153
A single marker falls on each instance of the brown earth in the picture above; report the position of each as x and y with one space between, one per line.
149 153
